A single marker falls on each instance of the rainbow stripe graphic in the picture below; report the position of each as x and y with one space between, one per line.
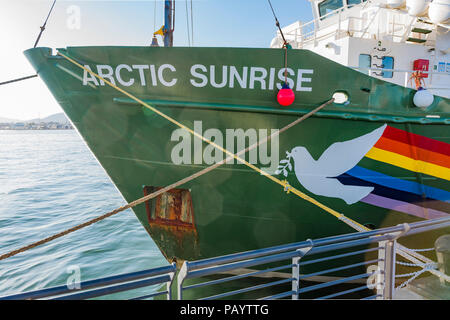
420 159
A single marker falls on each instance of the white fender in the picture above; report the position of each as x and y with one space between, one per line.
395 3
423 98
417 7
439 11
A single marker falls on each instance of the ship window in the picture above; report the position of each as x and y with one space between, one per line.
365 62
388 63
328 6
354 2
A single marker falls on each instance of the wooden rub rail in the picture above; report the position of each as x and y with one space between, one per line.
377 280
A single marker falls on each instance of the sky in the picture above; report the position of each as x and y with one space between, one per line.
217 23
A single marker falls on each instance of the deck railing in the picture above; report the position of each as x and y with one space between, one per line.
380 276
376 248
407 75
358 24
106 286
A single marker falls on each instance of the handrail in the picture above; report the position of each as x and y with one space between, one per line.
311 35
385 238
370 23
386 244
194 265
99 283
313 32
400 70
331 13
120 287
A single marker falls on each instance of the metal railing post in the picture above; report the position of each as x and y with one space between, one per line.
381 270
315 36
180 279
339 25
169 284
296 270
169 289
295 278
296 37
301 38
389 269
388 254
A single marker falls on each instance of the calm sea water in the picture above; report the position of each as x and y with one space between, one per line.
49 181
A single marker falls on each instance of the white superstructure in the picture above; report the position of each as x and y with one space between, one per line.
388 39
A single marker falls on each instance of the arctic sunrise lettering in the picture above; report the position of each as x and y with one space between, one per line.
201 76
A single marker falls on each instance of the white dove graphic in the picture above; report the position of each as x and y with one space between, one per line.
318 176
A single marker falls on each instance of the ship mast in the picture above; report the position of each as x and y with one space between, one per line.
169 22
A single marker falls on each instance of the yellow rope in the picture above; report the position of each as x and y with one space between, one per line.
284 184
163 190
352 223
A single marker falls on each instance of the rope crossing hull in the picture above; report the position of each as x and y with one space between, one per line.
234 208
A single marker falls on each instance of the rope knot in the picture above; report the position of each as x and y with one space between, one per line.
287 187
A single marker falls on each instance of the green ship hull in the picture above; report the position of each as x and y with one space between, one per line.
233 208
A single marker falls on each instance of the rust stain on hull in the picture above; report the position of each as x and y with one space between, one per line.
172 222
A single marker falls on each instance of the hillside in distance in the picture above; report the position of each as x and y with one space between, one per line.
57 121
57 117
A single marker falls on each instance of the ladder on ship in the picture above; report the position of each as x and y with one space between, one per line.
419 31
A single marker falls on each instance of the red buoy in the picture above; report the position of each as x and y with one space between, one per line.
285 96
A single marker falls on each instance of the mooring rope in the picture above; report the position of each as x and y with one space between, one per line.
430 267
286 186
161 191
413 276
277 23
44 25
285 43
413 265
284 183
402 251
422 250
18 79
35 44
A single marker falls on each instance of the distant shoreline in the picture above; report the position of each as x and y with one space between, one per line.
57 121
36 126
61 129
